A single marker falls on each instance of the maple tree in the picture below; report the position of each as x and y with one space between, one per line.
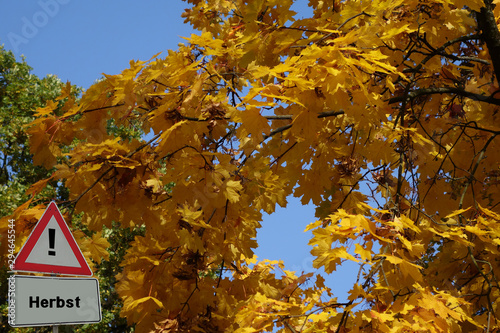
384 114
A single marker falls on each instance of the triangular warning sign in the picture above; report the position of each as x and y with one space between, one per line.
51 248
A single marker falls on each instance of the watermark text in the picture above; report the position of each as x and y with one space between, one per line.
30 26
11 240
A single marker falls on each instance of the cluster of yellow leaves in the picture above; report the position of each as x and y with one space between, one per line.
382 113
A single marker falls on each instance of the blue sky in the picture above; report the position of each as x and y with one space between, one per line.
79 40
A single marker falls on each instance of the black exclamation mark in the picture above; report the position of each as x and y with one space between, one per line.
52 241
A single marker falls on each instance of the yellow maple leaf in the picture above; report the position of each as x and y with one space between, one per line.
254 123
364 251
382 316
97 247
232 190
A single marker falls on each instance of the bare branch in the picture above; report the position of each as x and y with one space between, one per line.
444 90
486 22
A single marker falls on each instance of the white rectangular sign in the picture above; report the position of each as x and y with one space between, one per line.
40 301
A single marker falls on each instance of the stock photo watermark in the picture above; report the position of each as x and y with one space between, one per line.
11 240
31 26
12 300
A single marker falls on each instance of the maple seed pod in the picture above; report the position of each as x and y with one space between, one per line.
348 166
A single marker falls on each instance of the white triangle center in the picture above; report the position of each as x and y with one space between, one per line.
55 251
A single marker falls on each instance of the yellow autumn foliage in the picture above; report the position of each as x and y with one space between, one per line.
384 114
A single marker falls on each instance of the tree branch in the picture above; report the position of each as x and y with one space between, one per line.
278 130
284 128
342 25
440 50
489 33
445 90
274 117
92 110
108 170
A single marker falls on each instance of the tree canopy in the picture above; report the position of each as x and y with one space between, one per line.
384 114
20 94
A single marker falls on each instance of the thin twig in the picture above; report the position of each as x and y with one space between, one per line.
108 170
342 25
444 90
